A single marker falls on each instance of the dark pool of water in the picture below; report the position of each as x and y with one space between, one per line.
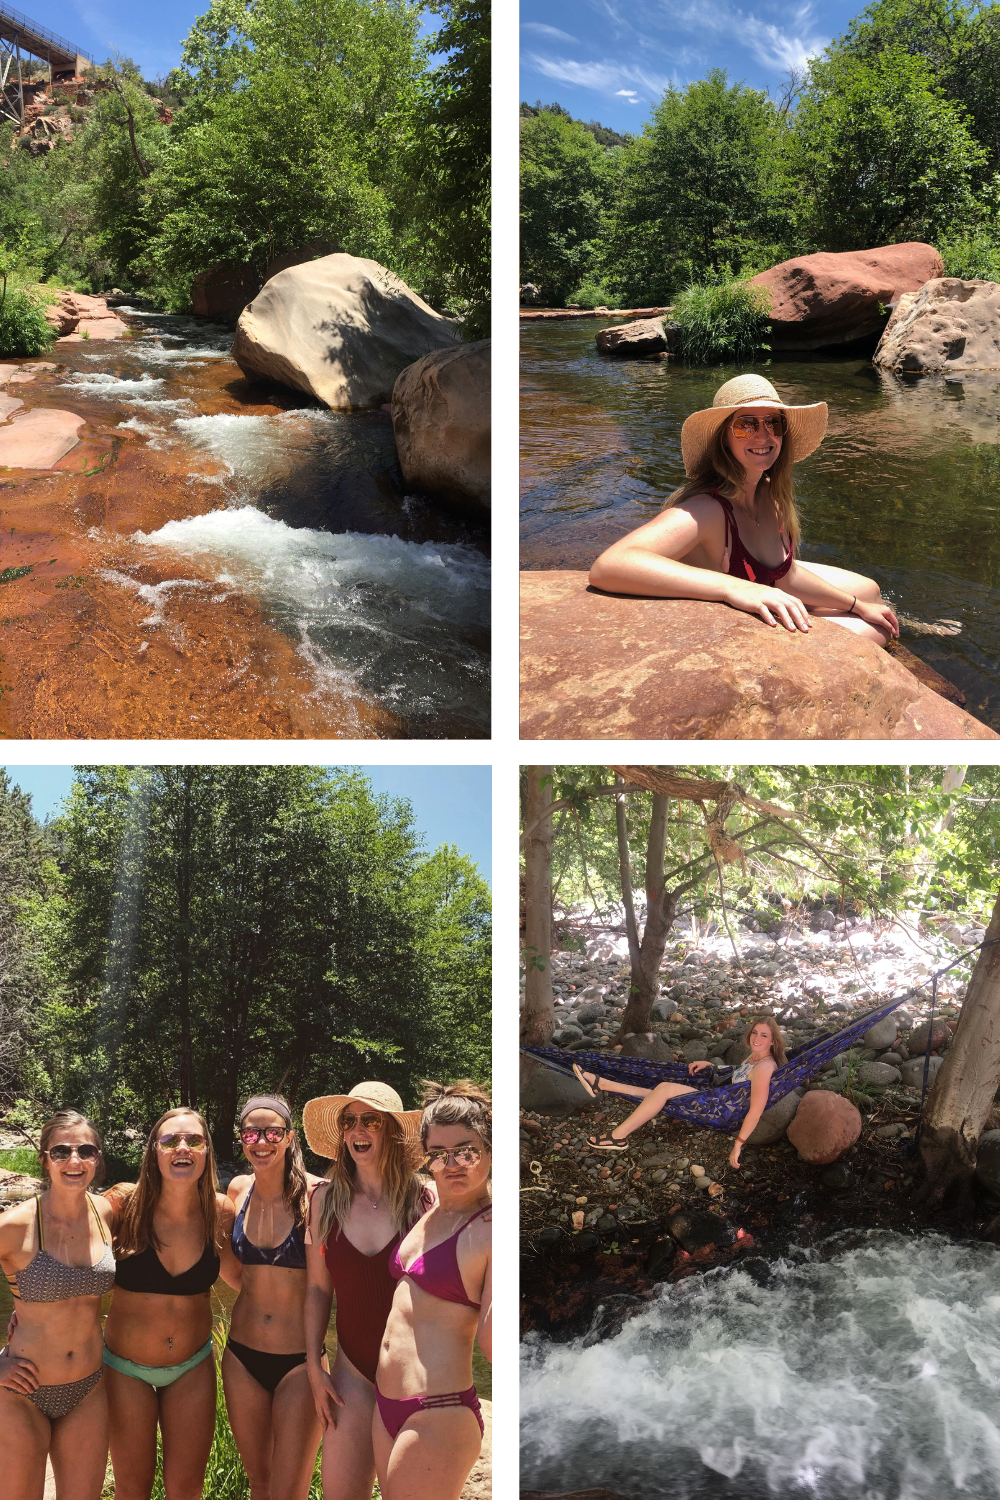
905 486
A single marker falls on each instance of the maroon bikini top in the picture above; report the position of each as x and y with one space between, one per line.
742 564
436 1271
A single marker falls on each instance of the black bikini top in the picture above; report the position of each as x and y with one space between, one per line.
145 1272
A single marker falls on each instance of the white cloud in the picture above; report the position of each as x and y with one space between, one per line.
776 48
541 30
603 78
628 93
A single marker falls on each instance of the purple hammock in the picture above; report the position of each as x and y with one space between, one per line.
724 1106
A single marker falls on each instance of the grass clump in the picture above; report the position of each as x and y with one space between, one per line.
24 330
971 257
721 321
21 1159
590 294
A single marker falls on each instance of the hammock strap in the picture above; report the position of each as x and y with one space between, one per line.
914 1145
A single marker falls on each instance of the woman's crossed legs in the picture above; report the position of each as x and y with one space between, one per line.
652 1099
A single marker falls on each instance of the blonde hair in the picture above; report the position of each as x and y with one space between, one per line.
720 470
777 1040
461 1103
401 1186
135 1230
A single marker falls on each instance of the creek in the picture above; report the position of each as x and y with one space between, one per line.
210 514
905 487
864 1368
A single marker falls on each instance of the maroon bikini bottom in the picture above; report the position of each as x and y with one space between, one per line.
395 1413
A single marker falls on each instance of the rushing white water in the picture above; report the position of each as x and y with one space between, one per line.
402 622
866 1370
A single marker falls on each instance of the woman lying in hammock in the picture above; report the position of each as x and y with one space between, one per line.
767 1052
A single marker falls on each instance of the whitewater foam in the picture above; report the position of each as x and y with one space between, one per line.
867 1371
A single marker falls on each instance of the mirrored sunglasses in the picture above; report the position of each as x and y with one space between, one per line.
171 1142
85 1152
745 427
349 1120
465 1156
270 1133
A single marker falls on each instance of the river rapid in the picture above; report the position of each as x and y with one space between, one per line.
864 1368
905 486
221 558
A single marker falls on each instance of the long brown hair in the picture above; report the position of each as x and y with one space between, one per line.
68 1119
777 1040
401 1186
721 470
135 1229
294 1184
461 1103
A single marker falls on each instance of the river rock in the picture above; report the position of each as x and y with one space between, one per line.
693 1231
988 1161
341 328
839 1178
950 325
441 418
592 1011
736 1053
834 297
550 1093
76 314
912 1072
882 1034
648 1045
878 1073
479 1484
39 438
775 1121
695 1050
824 1127
917 1039
630 340
7 372
602 666
8 406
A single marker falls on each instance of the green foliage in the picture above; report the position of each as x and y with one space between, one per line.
566 183
23 328
721 321
973 257
590 294
21 1159
881 154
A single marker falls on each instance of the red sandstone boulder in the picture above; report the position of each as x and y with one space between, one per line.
940 1034
824 1127
833 298
223 292
603 666
76 314
441 418
948 325
632 340
39 438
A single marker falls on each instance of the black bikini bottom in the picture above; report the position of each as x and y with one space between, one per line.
269 1370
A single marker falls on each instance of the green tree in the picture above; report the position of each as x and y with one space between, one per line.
704 186
566 184
22 881
881 155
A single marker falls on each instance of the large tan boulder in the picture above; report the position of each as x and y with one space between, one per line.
825 1126
948 325
834 297
341 328
603 666
632 340
441 418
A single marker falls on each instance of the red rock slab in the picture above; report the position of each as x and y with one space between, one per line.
96 329
605 666
20 378
39 439
40 365
8 406
6 371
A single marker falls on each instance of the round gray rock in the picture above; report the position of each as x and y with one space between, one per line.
592 1011
882 1034
549 1093
912 1072
648 1046
775 1121
878 1073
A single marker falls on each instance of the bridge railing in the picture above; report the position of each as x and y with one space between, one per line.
30 30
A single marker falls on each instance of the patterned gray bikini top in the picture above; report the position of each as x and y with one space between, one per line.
45 1279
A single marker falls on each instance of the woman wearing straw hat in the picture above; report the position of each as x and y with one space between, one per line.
730 533
356 1220
429 1425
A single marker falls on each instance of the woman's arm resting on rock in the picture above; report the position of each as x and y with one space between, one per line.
819 593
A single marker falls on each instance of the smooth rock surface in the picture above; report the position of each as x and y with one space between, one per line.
76 314
630 340
602 666
441 418
950 325
834 297
6 371
224 291
938 1033
341 328
549 1093
39 438
882 1034
825 1126
878 1073
8 406
647 1045
774 1122
912 1072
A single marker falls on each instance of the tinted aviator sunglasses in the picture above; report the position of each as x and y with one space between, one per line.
85 1152
250 1135
171 1142
465 1156
349 1120
744 427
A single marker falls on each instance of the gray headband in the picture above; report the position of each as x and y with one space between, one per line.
267 1101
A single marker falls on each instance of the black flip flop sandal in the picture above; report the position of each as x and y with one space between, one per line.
607 1143
578 1074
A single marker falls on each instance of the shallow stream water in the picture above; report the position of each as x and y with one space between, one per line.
380 599
905 486
867 1368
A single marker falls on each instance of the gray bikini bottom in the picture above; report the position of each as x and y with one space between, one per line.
55 1401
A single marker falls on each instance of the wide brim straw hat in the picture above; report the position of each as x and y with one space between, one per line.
321 1117
806 424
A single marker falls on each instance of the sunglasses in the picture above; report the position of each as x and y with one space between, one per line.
270 1133
349 1120
465 1156
744 427
63 1153
171 1142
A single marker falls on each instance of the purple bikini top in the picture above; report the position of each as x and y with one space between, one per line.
436 1271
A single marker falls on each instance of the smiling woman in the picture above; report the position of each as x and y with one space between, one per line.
730 533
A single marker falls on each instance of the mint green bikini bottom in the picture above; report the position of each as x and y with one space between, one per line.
156 1375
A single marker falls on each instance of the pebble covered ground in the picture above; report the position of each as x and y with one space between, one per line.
592 1218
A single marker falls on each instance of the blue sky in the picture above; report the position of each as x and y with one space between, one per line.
610 60
150 34
451 804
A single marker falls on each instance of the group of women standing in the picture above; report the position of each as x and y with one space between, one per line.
405 1254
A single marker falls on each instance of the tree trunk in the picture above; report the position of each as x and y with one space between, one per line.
962 1097
188 1091
661 907
538 1021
